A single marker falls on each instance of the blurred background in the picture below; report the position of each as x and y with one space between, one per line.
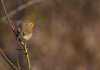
66 35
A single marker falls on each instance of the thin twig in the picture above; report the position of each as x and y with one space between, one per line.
27 57
18 64
7 15
11 24
21 46
8 59
19 42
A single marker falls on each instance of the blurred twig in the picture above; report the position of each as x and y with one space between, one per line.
27 57
19 42
7 16
18 64
11 23
20 8
8 59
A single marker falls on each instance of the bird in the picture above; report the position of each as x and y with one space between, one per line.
24 31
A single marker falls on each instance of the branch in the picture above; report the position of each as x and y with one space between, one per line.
27 57
8 59
18 64
11 25
7 15
19 42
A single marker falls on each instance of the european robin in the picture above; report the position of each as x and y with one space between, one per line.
25 31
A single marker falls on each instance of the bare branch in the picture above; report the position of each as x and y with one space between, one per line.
27 57
11 24
18 64
6 14
8 59
19 42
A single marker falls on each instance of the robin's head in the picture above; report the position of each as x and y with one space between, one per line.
28 24
31 24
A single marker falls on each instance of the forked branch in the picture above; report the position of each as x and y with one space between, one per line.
19 42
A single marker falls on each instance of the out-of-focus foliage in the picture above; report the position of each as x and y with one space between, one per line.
66 35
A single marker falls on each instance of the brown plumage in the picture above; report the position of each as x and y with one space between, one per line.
25 31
